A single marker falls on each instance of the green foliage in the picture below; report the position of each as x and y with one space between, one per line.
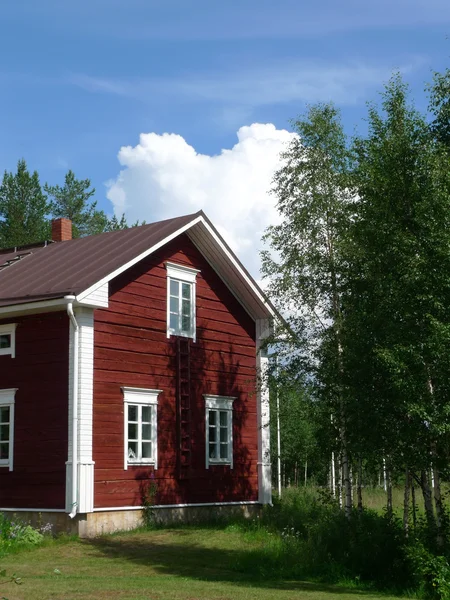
23 209
115 224
431 573
149 491
15 534
74 201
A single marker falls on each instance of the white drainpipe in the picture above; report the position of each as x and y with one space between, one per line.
76 329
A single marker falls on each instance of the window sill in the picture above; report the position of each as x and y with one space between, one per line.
147 463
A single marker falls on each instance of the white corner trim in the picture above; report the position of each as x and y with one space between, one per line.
263 415
193 505
138 258
84 468
141 397
9 329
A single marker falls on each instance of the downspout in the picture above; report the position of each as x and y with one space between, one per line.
76 329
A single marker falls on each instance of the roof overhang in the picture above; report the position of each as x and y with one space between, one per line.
222 259
212 246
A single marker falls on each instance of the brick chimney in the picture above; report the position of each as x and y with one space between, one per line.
61 230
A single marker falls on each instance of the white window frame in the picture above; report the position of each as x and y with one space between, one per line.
219 403
184 275
9 329
141 397
8 398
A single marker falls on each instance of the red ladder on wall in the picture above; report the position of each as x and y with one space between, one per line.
184 407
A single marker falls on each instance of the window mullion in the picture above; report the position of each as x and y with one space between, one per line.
139 432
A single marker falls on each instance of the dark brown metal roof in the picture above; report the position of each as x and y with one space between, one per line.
63 268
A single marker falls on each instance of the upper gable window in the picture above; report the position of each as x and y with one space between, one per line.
8 339
181 300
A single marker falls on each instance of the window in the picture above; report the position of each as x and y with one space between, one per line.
7 399
181 300
140 426
219 430
8 339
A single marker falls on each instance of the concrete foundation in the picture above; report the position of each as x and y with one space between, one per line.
102 522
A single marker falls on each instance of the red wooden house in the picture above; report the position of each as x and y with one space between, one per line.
131 358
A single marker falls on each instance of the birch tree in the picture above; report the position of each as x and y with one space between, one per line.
397 305
304 265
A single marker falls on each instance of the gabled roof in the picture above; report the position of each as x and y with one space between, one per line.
77 267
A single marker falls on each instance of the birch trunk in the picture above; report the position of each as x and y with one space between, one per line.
333 476
389 505
359 486
438 506
406 503
427 498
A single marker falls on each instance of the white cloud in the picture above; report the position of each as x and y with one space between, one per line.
163 176
245 88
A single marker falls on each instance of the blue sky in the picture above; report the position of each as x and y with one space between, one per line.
81 79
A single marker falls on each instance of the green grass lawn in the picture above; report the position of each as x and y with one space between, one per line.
181 564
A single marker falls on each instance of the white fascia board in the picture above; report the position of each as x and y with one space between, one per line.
43 306
232 259
137 259
33 307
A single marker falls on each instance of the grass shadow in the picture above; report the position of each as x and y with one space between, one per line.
175 553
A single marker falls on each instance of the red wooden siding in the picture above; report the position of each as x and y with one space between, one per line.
40 372
132 349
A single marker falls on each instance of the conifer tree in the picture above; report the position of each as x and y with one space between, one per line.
23 209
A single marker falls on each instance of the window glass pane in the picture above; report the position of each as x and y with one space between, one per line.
186 308
223 418
146 432
173 322
212 417
5 340
4 433
224 434
132 450
212 434
146 414
174 305
224 451
212 451
186 291
4 414
132 413
146 449
132 431
186 324
174 287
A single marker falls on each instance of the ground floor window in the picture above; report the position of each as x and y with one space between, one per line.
140 426
7 401
219 430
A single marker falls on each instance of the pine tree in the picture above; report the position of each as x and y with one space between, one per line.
23 209
74 201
